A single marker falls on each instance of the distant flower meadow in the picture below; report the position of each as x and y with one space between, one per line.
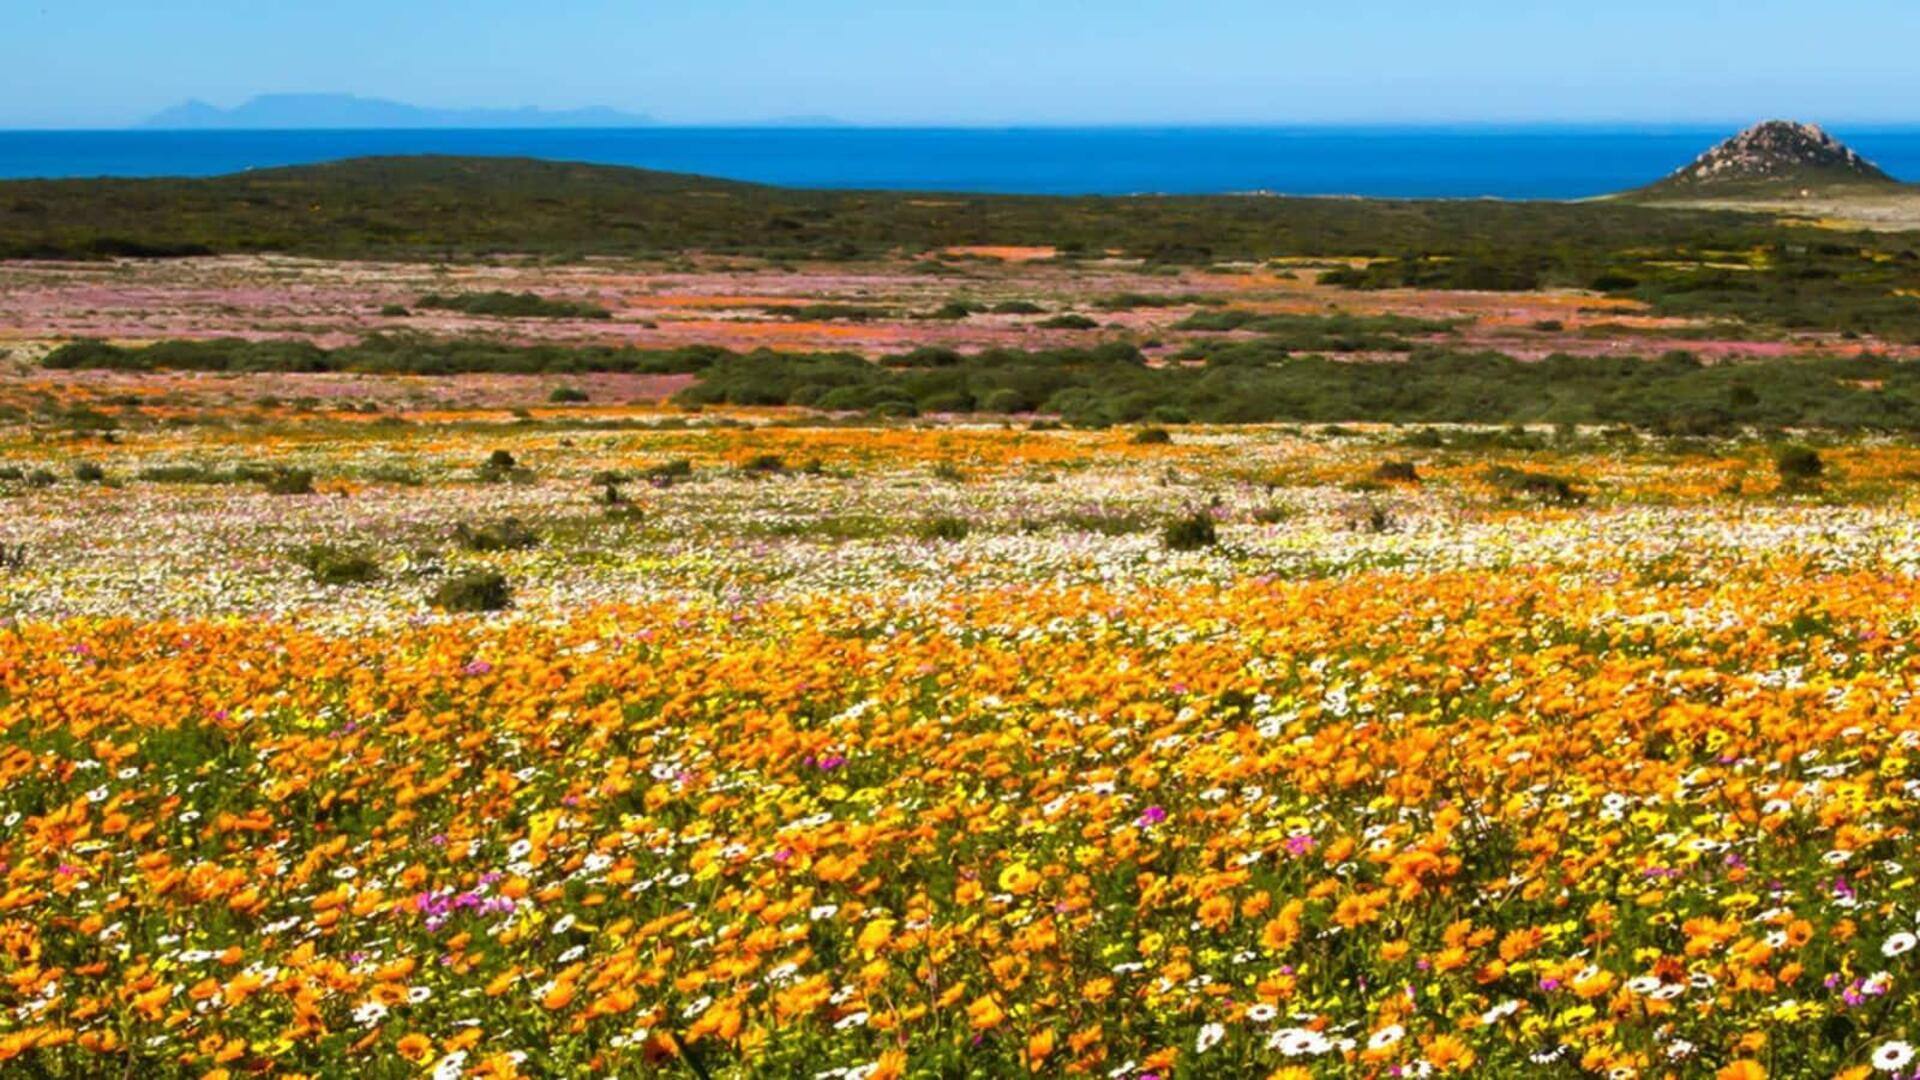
763 774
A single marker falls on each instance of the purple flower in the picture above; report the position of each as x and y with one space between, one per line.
1153 815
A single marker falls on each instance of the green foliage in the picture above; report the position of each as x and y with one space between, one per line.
290 481
1068 321
508 534
1152 436
1254 382
1798 464
1191 532
193 473
501 467
393 354
87 472
1322 333
331 565
668 471
830 312
1130 300
568 395
944 527
1396 472
481 590
1539 486
431 207
506 305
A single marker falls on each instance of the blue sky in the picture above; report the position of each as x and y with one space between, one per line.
88 63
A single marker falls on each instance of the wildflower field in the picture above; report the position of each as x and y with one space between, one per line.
791 749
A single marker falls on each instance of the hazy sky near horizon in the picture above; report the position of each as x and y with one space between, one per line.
95 63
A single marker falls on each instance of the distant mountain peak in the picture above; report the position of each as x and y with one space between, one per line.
1777 152
352 111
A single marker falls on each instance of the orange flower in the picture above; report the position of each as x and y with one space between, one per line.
984 1013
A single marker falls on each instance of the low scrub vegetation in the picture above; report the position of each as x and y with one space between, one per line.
509 305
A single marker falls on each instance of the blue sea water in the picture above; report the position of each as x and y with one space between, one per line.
1461 162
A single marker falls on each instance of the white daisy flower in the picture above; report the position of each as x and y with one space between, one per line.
1386 1036
1892 1056
1209 1037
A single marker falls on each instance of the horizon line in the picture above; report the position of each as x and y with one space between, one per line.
825 124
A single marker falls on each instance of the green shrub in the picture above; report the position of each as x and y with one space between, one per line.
290 482
954 310
1152 436
1544 487
567 395
502 467
945 527
668 471
1190 533
509 534
1799 464
338 566
1069 321
764 464
86 472
482 590
506 305
1396 472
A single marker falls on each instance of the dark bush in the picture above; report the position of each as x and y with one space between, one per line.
1544 487
506 305
290 482
338 566
1396 472
668 471
88 473
509 534
945 527
1069 321
482 590
1190 533
1152 436
1799 464
567 395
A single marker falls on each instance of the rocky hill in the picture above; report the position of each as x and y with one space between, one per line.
1778 154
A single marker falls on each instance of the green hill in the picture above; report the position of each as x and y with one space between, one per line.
452 207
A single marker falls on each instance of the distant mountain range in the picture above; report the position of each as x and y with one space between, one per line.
279 111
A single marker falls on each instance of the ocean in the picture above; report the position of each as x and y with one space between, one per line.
1455 162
